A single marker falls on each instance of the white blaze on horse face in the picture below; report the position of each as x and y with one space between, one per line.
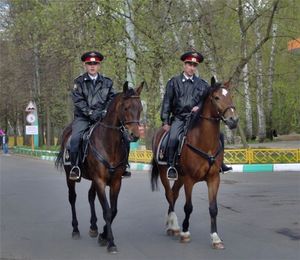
224 92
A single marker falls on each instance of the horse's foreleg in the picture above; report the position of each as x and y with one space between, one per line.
92 195
114 194
185 235
172 227
72 200
107 235
213 187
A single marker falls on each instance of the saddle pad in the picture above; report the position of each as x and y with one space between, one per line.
161 152
66 155
162 149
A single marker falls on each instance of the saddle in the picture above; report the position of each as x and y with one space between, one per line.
83 147
162 148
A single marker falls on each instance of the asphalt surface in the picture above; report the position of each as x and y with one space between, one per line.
259 217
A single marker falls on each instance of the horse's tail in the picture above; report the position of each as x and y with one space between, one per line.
59 162
154 175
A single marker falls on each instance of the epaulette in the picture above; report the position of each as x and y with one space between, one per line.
107 78
79 78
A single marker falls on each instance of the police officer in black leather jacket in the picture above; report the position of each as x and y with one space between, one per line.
184 95
91 95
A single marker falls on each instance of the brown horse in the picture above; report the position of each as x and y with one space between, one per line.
200 160
106 161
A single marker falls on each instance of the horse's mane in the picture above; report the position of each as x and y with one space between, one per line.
196 117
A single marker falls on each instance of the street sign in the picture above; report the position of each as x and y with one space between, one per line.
30 118
30 107
32 130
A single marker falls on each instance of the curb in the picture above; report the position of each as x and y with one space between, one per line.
245 168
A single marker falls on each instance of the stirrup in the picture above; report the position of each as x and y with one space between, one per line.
75 173
172 177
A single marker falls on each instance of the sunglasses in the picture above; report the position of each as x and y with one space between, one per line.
92 63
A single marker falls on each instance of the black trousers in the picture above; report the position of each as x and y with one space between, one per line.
79 125
176 130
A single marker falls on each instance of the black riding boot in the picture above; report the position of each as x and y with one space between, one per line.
127 173
75 172
225 168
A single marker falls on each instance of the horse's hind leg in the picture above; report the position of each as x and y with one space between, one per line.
213 187
185 235
92 195
72 200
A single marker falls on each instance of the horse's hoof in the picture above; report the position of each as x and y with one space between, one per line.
219 245
185 237
102 241
76 235
173 233
112 250
93 233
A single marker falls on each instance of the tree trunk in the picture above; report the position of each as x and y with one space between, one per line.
270 85
248 107
259 90
130 41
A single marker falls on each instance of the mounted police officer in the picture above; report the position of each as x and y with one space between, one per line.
185 94
91 95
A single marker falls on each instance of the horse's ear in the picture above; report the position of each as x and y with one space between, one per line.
139 89
125 87
212 81
227 84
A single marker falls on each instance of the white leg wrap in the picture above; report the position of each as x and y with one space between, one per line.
172 221
185 234
215 238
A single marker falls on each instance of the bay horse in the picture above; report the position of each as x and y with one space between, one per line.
106 161
200 160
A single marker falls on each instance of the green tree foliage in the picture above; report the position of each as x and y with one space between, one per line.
42 41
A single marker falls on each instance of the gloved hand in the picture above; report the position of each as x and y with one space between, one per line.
96 115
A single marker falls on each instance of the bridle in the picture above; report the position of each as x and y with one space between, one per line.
220 115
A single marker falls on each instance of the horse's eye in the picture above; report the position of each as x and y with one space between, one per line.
216 98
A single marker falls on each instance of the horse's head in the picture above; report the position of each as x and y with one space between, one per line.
222 100
130 110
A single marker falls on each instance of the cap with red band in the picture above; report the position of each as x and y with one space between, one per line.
92 56
192 56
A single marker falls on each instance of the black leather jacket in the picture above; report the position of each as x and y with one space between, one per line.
89 99
181 96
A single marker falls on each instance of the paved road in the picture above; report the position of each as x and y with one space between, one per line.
258 217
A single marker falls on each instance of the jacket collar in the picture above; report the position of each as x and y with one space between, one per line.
86 77
184 78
